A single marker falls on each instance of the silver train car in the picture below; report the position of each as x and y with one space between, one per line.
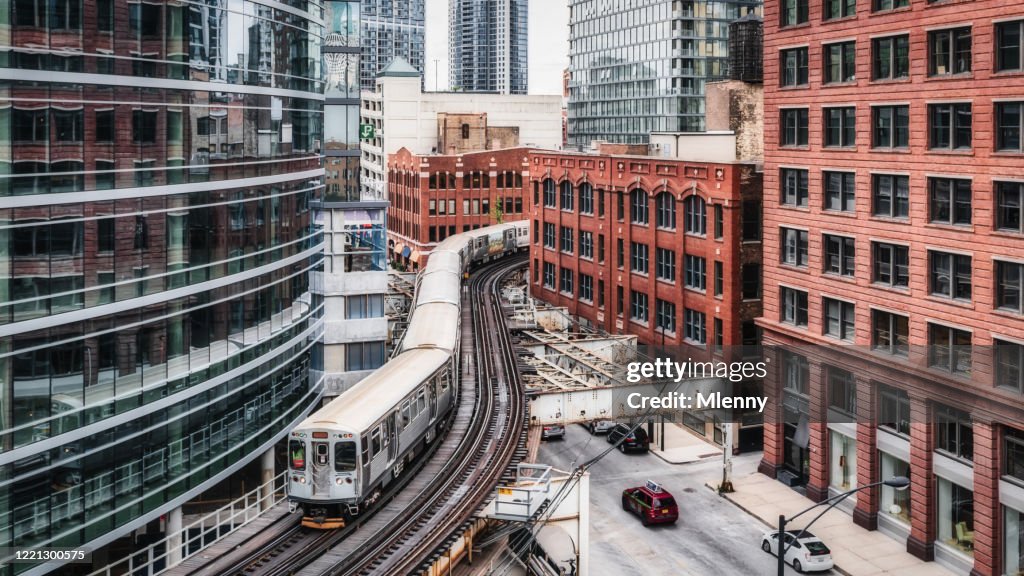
342 456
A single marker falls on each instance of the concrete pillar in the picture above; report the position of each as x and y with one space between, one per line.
266 480
818 444
865 514
987 543
174 542
921 542
774 432
583 567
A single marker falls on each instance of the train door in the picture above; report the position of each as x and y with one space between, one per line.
321 467
433 399
392 436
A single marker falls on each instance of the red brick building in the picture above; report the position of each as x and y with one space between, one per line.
665 249
433 197
893 262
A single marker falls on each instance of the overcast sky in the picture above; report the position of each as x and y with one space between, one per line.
549 44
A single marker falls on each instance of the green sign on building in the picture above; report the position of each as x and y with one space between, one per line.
367 132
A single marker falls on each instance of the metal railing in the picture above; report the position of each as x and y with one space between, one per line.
199 534
523 498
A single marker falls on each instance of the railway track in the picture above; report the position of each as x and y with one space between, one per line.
443 489
495 409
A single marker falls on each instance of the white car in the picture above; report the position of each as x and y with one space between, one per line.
600 426
806 554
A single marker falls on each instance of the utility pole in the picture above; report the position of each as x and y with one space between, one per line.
727 458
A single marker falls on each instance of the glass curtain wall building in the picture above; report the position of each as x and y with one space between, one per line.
389 29
159 164
640 67
488 45
354 280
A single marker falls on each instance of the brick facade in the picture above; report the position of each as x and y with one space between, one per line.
978 232
433 197
608 219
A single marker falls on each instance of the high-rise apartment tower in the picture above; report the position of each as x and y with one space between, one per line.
488 45
640 67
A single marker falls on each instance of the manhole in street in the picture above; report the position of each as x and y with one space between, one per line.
688 490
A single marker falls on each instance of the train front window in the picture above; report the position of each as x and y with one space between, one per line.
297 454
345 456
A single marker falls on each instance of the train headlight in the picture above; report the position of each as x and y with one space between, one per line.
302 479
339 481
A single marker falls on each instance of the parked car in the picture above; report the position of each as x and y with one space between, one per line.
652 503
552 431
635 441
806 553
600 426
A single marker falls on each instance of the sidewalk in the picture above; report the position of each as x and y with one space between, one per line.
856 551
683 446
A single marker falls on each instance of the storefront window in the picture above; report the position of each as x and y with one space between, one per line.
956 516
1013 547
844 462
895 503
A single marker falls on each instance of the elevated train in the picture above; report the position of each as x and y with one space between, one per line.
342 456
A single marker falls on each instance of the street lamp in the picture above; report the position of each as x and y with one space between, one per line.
897 482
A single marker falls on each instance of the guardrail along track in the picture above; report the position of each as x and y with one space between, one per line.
485 438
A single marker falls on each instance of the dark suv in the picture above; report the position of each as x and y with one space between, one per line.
635 441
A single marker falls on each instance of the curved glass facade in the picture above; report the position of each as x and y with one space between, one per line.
160 163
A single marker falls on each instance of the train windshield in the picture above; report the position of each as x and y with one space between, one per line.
297 454
345 456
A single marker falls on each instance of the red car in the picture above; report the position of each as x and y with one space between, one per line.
651 503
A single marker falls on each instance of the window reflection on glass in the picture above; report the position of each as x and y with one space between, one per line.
955 516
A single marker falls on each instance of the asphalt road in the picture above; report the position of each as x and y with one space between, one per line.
711 538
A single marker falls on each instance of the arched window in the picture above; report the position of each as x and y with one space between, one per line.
586 198
566 194
638 210
666 217
549 193
696 215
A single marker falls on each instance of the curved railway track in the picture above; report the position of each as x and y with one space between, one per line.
442 490
485 452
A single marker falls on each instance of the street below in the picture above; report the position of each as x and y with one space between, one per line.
711 538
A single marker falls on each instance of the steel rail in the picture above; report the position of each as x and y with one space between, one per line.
484 456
